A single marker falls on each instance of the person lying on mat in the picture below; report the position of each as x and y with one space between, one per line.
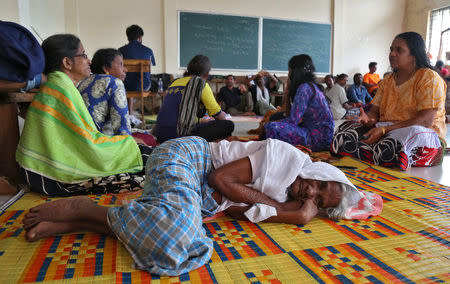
189 179
405 125
60 149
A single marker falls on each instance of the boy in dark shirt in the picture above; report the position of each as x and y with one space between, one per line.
235 100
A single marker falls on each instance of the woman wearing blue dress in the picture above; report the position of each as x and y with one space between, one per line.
309 121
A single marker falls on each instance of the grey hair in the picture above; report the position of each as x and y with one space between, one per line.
338 212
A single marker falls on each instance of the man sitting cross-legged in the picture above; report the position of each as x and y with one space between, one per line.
235 100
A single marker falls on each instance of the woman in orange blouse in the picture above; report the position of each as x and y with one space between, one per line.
405 125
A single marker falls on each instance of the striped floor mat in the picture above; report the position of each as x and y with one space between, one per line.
408 242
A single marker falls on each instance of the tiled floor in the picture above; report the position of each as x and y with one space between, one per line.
436 174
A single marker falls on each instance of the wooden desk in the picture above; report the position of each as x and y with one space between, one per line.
9 133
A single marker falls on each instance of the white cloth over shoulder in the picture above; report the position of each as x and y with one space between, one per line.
337 97
262 96
269 174
275 166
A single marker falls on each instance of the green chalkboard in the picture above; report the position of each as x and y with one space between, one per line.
230 42
283 39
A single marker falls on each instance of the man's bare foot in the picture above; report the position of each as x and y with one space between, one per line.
65 210
49 229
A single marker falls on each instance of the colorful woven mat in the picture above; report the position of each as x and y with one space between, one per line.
408 242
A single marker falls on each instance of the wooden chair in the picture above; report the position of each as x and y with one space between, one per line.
139 66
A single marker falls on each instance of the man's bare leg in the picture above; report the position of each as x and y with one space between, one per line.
78 209
49 229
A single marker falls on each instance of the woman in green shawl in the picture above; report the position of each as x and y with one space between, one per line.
60 149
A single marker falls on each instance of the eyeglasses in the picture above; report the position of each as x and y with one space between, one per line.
84 55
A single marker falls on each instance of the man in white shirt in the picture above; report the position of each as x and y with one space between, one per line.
338 97
260 96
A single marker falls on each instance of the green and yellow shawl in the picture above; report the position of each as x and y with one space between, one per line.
60 140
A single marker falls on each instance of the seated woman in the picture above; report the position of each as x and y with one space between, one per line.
183 107
189 179
405 125
309 121
104 93
60 149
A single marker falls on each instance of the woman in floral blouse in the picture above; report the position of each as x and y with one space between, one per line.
104 93
309 121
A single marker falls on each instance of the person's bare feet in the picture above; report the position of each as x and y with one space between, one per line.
62 210
49 229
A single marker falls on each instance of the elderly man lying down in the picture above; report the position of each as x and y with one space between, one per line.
188 179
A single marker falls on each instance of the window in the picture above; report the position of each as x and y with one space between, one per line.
438 37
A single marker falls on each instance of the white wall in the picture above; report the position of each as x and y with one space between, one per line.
364 30
24 13
102 23
47 17
9 11
99 23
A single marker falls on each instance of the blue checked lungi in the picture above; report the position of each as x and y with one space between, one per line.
162 229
